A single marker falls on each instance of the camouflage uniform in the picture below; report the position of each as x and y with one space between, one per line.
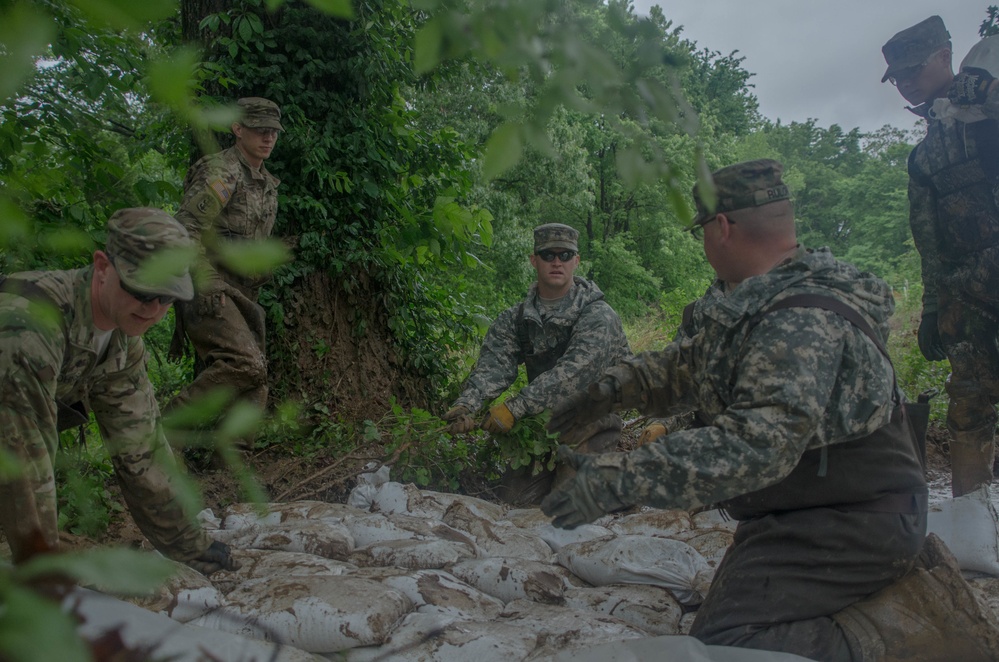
227 200
48 359
953 178
800 436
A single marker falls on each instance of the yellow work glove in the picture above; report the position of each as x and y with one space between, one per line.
499 419
460 419
652 432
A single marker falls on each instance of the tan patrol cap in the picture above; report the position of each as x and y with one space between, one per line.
556 235
259 112
746 184
137 234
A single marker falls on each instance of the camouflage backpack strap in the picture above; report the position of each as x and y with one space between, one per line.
523 337
67 415
986 137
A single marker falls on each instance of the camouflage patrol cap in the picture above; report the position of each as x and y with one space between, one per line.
135 235
912 46
555 235
260 113
746 184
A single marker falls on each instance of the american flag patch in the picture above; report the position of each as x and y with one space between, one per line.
221 191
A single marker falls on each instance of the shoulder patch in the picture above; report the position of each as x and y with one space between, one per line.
221 191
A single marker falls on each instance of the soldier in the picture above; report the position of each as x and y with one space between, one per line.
802 437
70 341
565 334
955 225
230 197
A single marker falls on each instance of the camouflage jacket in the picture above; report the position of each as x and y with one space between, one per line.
766 387
45 361
227 200
953 211
579 339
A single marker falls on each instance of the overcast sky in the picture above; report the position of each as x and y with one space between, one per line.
820 58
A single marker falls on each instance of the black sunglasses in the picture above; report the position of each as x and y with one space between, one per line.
549 255
141 297
697 230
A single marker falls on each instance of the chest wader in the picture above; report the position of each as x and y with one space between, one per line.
68 414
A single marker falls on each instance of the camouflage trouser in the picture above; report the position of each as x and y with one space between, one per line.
969 330
230 345
786 574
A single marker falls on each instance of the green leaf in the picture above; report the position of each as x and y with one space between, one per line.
16 227
254 258
165 266
242 419
427 47
171 79
114 569
35 628
24 34
503 150
126 13
337 8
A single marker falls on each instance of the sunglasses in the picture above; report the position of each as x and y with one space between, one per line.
141 297
697 231
549 255
262 131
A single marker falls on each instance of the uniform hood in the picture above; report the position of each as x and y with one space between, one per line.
582 293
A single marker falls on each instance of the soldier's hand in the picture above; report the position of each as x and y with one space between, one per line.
584 407
498 419
652 432
460 420
217 557
971 86
584 498
930 343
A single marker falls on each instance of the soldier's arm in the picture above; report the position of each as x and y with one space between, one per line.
922 222
208 188
596 344
496 368
128 416
30 356
780 401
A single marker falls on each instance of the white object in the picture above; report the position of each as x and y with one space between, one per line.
512 579
329 539
969 526
983 55
558 538
650 608
185 596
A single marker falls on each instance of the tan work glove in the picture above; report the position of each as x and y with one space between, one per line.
461 421
652 432
499 419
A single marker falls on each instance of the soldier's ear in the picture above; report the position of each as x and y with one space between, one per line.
237 129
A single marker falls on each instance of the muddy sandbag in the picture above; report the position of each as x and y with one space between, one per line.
262 563
562 628
243 515
526 518
714 519
711 543
652 609
662 649
186 595
369 528
497 538
425 638
969 526
159 637
410 500
316 614
324 538
558 538
413 553
441 593
652 522
512 579
631 559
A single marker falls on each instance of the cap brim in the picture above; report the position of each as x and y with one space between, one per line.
180 287
263 124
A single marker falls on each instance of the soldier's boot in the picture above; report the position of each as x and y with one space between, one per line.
971 456
929 615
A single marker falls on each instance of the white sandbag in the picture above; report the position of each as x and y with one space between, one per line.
474 641
562 628
558 538
369 528
667 649
410 500
686 621
374 478
711 543
415 629
362 497
969 526
672 564
261 563
245 515
414 553
208 520
316 614
497 538
162 638
512 579
652 522
441 593
652 609
526 518
983 55
714 519
184 597
328 539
